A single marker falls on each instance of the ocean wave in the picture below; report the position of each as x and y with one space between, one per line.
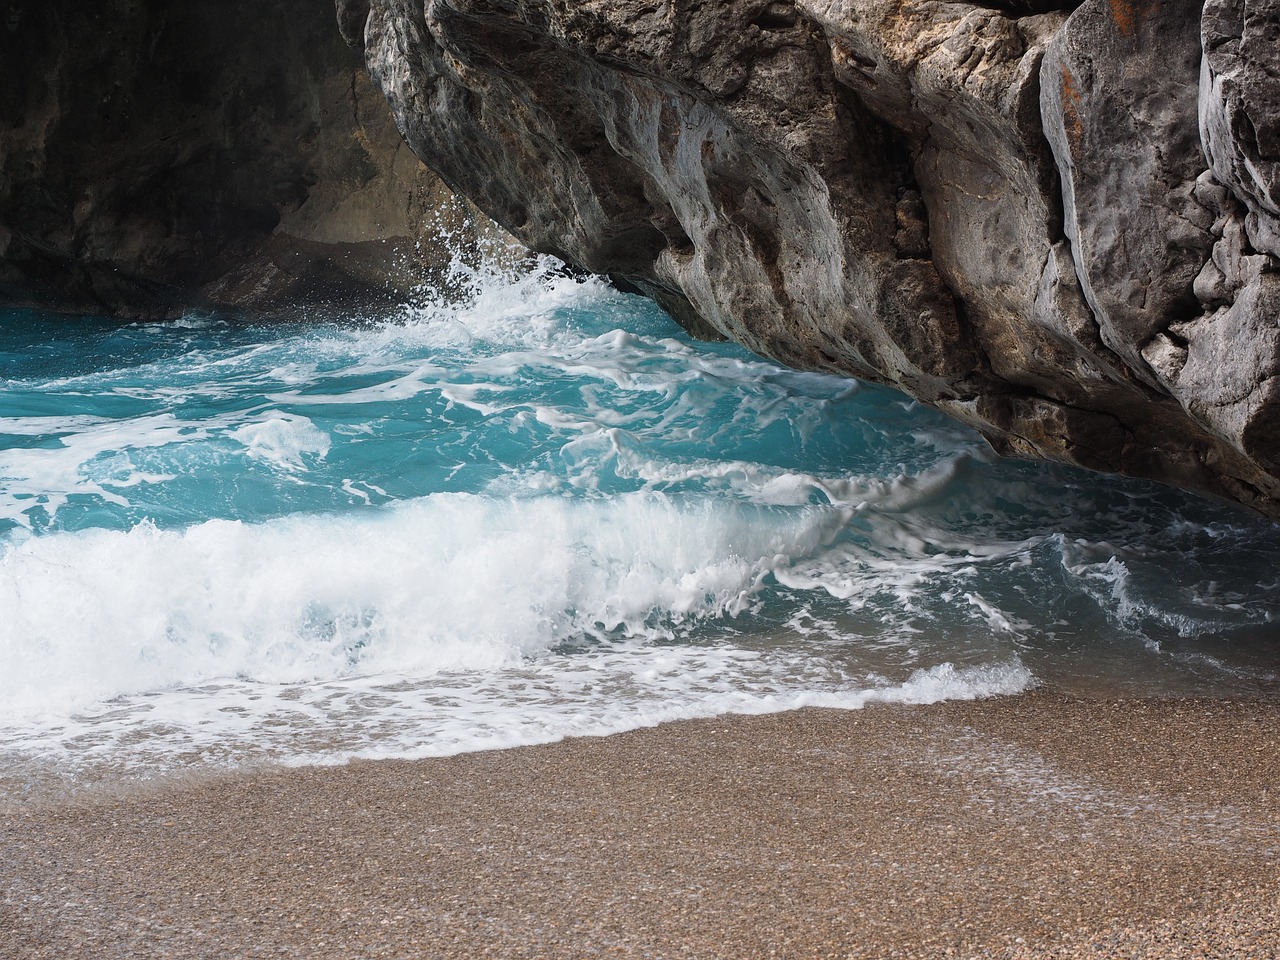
540 510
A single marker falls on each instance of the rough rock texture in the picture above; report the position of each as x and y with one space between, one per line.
1059 222
158 155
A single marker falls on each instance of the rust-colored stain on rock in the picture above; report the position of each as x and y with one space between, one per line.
1125 16
1129 16
1072 120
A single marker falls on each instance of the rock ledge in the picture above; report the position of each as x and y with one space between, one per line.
1058 222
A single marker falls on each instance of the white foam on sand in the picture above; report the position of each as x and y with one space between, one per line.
452 622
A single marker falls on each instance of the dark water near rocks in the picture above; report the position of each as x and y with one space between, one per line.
539 513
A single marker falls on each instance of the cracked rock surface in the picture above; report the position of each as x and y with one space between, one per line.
1059 222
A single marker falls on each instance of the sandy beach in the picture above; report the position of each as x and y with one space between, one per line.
1033 826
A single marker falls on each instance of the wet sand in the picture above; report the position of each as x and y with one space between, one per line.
1032 826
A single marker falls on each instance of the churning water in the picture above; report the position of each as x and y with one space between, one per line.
538 512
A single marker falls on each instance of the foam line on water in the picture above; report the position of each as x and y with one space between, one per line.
596 692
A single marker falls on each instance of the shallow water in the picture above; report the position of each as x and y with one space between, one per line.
541 512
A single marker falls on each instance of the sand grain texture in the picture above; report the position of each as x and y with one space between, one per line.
1026 827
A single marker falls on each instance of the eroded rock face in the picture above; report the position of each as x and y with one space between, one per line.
1057 221
157 156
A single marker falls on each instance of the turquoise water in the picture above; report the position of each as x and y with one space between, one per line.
538 512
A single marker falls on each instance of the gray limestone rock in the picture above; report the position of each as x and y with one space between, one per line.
1003 208
1119 88
1239 119
704 163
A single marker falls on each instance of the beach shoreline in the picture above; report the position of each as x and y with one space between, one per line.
1024 826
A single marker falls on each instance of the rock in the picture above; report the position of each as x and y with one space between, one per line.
352 16
712 171
1119 88
1002 208
1229 379
1239 119
156 157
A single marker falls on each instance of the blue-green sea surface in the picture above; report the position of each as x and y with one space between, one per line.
538 512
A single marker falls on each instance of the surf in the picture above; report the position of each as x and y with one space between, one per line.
541 510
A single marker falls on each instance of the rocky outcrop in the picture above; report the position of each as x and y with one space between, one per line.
157 156
1057 221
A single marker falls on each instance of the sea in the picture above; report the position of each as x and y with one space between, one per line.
535 509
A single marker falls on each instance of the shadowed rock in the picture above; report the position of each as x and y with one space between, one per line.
157 156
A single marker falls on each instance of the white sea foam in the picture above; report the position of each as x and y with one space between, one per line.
282 439
453 622
445 582
586 692
88 456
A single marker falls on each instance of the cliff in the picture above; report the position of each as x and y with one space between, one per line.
1060 225
159 156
